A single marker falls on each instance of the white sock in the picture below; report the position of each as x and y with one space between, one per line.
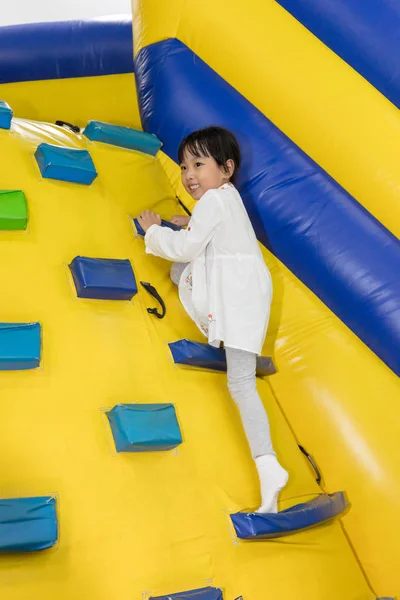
273 478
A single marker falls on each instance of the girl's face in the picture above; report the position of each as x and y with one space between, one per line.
200 174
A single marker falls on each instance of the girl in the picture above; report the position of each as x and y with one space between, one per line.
224 283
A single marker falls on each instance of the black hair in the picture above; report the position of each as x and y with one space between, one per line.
217 142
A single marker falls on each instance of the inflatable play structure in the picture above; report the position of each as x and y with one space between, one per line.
125 470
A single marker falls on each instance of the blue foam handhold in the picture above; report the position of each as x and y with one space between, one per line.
204 356
125 137
168 224
28 524
144 427
207 593
251 526
103 278
6 115
20 345
65 164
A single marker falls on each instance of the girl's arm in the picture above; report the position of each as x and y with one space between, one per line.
181 220
187 244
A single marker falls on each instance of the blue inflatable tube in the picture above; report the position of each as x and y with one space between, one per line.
313 225
66 49
255 526
365 33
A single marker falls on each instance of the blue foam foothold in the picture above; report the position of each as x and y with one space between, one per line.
144 427
28 524
65 164
124 137
168 224
103 278
251 526
20 345
195 354
204 356
207 593
5 115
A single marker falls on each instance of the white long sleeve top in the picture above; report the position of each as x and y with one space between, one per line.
226 287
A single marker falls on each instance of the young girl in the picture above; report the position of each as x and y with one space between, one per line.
224 283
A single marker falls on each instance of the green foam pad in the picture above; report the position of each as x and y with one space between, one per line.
13 210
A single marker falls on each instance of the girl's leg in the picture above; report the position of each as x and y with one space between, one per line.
243 389
176 272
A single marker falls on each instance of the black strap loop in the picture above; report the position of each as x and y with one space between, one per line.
187 211
73 128
313 464
153 292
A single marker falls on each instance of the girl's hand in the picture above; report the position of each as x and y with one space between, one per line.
148 218
181 220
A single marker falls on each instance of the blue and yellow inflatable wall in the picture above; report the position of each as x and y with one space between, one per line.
314 102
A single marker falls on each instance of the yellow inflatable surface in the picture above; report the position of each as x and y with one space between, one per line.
339 398
132 525
140 525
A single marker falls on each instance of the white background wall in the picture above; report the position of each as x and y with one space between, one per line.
13 12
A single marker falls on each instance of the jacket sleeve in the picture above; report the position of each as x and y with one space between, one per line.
187 244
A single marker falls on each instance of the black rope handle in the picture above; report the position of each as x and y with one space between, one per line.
153 292
313 464
74 128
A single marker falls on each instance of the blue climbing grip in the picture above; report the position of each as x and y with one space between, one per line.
168 224
204 356
255 526
144 427
65 164
195 354
125 137
28 524
103 278
207 593
20 345
6 115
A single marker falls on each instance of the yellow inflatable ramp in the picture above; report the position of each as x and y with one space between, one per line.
131 525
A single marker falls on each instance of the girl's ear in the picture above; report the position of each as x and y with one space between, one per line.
229 168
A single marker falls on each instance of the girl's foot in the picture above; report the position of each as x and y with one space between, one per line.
273 478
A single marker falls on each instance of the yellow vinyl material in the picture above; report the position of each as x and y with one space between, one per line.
340 400
109 98
134 526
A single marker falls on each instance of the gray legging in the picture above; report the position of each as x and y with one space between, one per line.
243 389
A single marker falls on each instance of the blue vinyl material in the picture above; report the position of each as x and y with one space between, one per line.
65 49
125 137
6 115
365 33
141 232
103 278
195 354
207 593
313 225
20 346
27 524
144 427
204 356
65 164
250 526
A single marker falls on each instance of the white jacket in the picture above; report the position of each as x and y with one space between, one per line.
226 289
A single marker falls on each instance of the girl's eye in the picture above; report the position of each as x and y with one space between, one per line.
183 168
198 164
